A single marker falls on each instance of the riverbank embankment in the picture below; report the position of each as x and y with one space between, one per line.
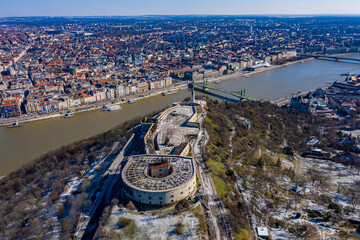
181 86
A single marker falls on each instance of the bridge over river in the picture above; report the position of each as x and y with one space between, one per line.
336 58
241 95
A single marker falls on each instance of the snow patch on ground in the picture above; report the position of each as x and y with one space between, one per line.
339 173
157 227
287 163
71 187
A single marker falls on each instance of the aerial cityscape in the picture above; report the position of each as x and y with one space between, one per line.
151 120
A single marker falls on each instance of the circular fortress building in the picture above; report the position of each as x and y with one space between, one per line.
159 179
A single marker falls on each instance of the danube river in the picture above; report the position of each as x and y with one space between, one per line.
21 145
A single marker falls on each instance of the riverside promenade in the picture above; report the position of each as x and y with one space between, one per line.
179 86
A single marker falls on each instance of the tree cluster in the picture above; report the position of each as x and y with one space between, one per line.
28 194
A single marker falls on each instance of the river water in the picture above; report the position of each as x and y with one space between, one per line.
21 145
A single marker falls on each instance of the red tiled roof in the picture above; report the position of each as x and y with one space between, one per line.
160 165
9 102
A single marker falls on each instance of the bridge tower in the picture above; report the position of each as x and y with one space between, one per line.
193 91
205 84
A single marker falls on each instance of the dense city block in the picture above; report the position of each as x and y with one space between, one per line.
58 64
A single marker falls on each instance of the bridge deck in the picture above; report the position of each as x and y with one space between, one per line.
337 58
242 94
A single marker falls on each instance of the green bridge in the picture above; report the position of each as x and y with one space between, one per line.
242 94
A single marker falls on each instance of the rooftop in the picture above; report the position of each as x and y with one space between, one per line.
135 172
172 131
9 102
160 165
263 231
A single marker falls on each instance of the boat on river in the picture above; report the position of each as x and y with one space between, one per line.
168 93
68 115
131 101
347 74
111 108
15 125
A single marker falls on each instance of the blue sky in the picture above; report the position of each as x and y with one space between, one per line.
10 8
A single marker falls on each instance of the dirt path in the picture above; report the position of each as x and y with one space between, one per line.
230 141
214 210
299 164
238 180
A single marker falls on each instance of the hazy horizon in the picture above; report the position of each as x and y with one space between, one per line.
179 15
80 8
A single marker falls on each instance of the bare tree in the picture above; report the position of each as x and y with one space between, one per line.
353 195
